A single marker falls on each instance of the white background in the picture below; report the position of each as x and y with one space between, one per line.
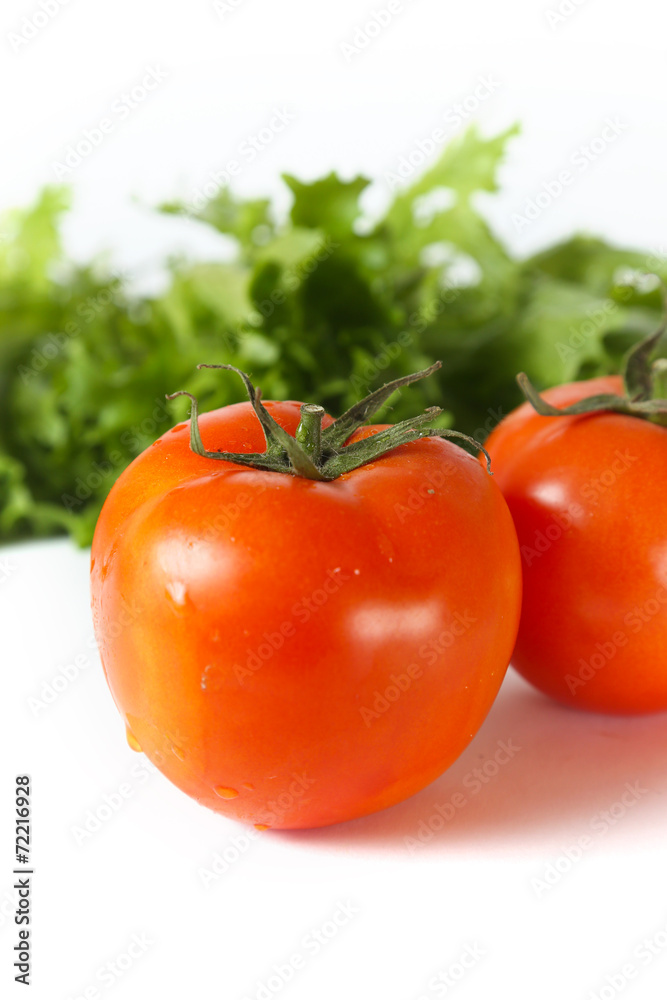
473 884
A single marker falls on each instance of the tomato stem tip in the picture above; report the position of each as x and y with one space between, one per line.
309 431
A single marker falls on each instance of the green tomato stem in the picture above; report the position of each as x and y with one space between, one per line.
309 431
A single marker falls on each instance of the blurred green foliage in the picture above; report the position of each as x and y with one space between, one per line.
321 307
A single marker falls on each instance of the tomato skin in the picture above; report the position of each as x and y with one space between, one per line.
246 618
587 497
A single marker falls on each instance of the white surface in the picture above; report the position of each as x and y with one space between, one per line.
472 885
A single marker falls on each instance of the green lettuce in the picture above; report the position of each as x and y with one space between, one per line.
321 306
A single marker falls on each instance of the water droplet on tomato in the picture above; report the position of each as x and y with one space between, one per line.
132 740
251 788
177 592
226 793
178 752
211 679
262 827
385 546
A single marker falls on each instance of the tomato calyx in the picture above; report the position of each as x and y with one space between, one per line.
320 453
644 381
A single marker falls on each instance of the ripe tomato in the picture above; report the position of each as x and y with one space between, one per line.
587 496
293 652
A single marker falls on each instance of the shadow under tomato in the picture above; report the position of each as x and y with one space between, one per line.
536 778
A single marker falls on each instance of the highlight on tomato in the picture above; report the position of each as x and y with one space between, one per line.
303 620
584 471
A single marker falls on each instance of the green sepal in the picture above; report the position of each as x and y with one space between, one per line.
641 377
339 431
321 454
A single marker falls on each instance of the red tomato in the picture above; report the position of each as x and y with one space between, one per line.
587 497
293 653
